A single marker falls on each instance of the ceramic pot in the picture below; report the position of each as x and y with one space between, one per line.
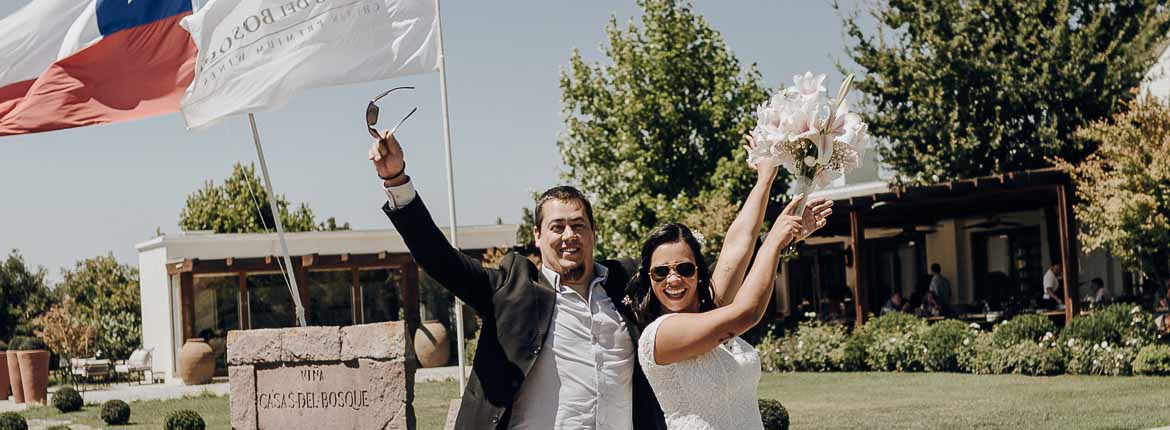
196 362
14 377
432 344
34 375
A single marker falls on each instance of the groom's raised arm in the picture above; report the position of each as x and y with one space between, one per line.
464 276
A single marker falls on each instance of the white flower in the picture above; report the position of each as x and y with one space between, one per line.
808 86
700 238
966 342
974 326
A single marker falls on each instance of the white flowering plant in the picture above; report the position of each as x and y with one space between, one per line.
816 138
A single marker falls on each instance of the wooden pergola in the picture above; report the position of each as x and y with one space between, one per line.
1050 190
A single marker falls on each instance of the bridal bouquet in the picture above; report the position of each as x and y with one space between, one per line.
814 137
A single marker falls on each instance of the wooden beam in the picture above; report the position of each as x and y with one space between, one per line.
187 305
229 261
359 315
307 260
244 312
1069 254
860 294
344 257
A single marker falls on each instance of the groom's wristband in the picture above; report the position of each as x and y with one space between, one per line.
396 176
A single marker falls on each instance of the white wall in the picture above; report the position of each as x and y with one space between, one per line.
154 286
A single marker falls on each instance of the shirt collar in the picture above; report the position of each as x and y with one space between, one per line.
600 274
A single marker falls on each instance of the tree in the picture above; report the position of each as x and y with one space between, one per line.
105 295
67 333
240 205
961 89
657 133
1123 189
24 295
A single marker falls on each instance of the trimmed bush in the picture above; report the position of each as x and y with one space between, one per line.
12 421
184 420
15 343
1119 324
981 357
775 353
853 354
774 414
115 412
893 342
59 427
67 400
1022 328
943 341
1153 360
818 347
32 344
1099 358
3 346
1034 358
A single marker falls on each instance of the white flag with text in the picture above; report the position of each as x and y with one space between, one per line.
256 54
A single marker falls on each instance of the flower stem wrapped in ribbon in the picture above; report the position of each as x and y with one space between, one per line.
814 137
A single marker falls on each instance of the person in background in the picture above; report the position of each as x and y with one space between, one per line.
1052 280
1101 295
930 306
939 285
895 304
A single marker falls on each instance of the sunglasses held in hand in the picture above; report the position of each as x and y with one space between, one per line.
684 270
372 113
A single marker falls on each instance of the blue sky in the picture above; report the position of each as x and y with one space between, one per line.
77 193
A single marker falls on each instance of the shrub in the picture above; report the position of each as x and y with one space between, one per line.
15 343
1099 358
12 421
115 412
31 344
1119 324
818 347
1024 327
184 420
1153 360
67 400
1034 358
3 346
943 341
892 342
59 427
774 414
853 354
776 353
980 356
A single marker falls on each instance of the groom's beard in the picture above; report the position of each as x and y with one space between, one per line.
573 275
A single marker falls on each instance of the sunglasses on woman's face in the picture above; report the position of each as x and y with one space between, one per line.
372 113
684 270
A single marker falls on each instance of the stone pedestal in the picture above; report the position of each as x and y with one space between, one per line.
357 377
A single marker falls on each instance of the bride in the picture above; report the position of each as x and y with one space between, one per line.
704 375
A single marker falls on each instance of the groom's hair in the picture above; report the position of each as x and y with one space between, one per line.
564 193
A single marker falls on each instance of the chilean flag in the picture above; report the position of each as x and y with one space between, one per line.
71 63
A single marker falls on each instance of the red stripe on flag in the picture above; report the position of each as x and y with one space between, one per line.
134 73
12 94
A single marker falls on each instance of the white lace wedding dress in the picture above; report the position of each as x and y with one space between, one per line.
714 391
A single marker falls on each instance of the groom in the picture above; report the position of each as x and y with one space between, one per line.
557 350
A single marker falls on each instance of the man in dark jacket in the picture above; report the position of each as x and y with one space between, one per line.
558 346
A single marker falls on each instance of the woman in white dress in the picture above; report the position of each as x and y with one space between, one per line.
703 374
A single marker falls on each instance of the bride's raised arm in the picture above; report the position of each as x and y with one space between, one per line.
687 335
741 236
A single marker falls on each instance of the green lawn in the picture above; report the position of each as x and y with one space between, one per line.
842 401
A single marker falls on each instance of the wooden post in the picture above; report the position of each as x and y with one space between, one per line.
187 305
1069 254
302 278
245 317
410 297
356 295
857 237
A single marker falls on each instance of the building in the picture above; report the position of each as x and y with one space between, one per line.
203 284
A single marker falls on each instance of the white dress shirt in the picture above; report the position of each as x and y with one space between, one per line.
583 377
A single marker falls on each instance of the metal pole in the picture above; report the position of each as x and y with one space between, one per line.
292 278
450 190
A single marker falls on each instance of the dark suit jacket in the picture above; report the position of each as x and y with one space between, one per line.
516 305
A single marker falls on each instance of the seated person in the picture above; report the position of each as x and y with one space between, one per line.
931 307
895 304
1101 295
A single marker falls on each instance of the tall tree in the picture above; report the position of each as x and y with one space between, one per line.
961 89
656 133
24 295
240 205
105 294
1123 189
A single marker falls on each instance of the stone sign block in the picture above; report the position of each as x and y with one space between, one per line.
359 377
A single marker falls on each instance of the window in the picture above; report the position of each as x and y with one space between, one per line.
270 303
381 295
330 298
216 310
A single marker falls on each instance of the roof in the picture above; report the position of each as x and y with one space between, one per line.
249 245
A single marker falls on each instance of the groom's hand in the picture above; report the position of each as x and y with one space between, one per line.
388 160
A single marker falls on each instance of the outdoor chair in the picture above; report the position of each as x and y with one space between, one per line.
140 363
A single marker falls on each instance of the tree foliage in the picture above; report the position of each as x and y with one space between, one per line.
105 295
24 295
1123 189
240 205
656 133
960 89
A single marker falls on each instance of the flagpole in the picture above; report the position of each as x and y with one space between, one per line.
450 189
292 278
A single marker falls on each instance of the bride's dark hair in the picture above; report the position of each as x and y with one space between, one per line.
645 304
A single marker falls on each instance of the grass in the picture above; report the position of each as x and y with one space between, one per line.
835 401
146 414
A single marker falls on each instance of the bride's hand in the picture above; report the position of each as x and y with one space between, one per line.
816 215
765 164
